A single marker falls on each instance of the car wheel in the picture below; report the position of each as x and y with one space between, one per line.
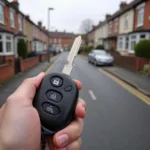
89 61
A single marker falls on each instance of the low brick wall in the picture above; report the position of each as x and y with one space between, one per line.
7 70
28 63
127 62
140 62
43 57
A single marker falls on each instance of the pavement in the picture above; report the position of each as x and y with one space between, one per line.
11 85
137 80
116 119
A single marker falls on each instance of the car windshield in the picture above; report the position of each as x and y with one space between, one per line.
102 53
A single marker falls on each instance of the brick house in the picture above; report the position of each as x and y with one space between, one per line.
11 27
91 37
61 40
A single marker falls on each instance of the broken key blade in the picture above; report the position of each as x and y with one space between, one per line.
73 53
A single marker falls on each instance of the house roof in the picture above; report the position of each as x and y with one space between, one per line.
62 35
131 5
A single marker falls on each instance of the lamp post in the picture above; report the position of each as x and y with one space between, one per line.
49 9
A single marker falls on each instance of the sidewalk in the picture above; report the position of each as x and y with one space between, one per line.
140 82
10 86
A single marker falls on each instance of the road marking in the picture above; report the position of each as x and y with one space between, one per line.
129 88
49 68
92 95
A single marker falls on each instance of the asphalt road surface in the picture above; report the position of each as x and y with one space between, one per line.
116 119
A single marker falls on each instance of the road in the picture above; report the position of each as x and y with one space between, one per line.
116 119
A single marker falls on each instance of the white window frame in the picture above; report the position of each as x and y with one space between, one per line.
3 15
140 10
116 25
4 40
20 22
126 22
12 20
110 27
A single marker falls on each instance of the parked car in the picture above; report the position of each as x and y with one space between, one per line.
100 57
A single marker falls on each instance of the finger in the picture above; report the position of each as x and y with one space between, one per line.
27 89
73 146
69 134
80 111
79 84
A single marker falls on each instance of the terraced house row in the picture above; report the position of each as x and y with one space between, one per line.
122 30
15 25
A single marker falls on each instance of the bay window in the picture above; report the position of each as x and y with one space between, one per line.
6 43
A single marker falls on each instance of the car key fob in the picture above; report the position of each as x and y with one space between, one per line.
55 101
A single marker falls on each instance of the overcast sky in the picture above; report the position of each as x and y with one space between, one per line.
68 14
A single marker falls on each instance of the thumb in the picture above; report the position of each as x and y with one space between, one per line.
26 91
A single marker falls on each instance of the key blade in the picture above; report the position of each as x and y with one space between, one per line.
73 53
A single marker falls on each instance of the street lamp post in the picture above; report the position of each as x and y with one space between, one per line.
49 9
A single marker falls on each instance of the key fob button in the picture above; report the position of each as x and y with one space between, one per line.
68 88
54 96
50 109
56 81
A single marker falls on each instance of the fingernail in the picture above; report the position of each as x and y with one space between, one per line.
62 140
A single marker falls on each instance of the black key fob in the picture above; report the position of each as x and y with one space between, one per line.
55 101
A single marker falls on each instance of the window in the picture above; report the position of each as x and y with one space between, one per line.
1 13
127 43
140 21
120 45
116 25
142 37
110 27
12 18
126 22
20 22
8 44
133 42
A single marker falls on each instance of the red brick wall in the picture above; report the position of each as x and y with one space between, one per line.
7 70
43 58
140 62
126 62
7 20
146 17
28 63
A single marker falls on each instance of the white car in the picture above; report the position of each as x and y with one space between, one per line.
100 57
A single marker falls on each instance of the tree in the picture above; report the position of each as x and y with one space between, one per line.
22 49
86 26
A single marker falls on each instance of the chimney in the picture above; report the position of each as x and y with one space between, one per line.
100 22
108 16
123 4
15 3
28 17
40 24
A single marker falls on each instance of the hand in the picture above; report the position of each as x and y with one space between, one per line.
20 127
